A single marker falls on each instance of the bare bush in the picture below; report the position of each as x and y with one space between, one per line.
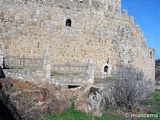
128 91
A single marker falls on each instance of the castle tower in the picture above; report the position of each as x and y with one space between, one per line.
118 4
74 29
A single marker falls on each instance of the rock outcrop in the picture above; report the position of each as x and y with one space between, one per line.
90 99
33 101
7 110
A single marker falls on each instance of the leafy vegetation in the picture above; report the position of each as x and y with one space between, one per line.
153 104
109 114
154 98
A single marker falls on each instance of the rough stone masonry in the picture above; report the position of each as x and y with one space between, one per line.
76 30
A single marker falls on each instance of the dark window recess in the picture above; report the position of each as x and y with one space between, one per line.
38 45
110 7
74 48
106 69
68 22
107 61
81 1
150 54
73 86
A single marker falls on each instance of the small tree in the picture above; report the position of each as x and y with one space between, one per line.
128 91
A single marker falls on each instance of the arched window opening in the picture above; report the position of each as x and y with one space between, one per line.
68 23
150 54
106 69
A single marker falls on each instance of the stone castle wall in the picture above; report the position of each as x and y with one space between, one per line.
75 30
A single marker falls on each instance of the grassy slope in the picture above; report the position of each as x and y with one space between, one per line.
72 114
153 103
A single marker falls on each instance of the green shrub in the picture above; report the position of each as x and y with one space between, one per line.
153 98
69 114
109 114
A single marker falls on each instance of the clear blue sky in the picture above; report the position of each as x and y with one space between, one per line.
146 13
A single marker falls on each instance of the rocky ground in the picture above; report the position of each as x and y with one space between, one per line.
32 101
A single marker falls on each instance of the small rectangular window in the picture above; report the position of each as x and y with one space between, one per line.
68 23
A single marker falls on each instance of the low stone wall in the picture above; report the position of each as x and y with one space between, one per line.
70 75
39 77
24 73
69 80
